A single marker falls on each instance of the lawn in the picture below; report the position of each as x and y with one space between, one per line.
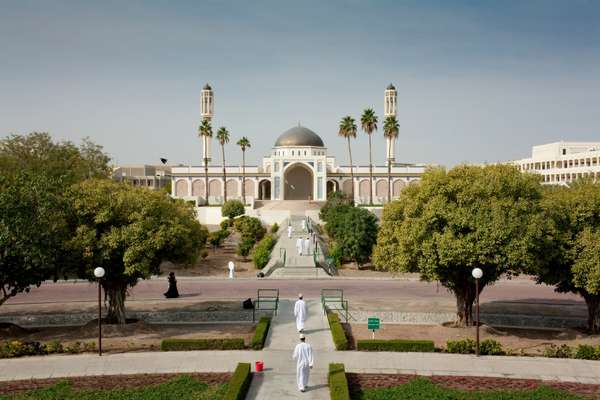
180 388
422 389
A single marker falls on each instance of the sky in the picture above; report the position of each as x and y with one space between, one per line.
478 81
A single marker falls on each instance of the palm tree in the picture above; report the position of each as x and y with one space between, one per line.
391 128
368 122
223 137
244 143
205 132
348 130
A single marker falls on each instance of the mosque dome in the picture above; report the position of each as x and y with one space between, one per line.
299 136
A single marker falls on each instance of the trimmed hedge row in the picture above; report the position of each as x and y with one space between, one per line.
239 383
337 332
395 345
202 344
260 334
338 384
262 251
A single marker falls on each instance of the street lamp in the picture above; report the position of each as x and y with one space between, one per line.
99 273
477 273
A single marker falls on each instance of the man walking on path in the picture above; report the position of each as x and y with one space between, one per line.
289 231
304 362
299 245
300 312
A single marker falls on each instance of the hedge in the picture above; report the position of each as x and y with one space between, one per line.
337 332
260 334
202 344
239 383
395 345
262 251
338 384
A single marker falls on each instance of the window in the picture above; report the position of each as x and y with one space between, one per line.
276 187
564 152
319 188
319 166
275 166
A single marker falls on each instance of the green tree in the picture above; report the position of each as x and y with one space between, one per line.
205 132
232 209
574 258
453 221
356 234
347 130
33 230
334 201
368 122
391 128
38 153
244 144
223 138
129 231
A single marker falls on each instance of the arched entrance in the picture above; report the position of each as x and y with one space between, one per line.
298 183
264 190
332 186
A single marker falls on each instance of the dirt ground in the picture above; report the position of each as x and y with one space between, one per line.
136 336
526 341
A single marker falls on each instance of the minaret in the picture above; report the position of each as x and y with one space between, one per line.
206 112
390 110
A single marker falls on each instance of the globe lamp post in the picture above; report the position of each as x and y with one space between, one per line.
477 273
99 274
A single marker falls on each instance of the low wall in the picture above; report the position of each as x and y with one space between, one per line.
151 317
212 215
269 217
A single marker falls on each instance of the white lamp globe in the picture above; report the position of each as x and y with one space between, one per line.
477 273
99 272
230 264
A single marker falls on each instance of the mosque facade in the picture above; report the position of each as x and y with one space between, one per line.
297 168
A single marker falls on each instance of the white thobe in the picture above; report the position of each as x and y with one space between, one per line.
306 246
299 245
304 361
289 232
300 313
303 225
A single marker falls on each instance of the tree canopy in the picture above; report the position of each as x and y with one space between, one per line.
453 221
38 153
129 231
33 230
574 264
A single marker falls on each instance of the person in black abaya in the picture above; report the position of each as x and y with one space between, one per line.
172 292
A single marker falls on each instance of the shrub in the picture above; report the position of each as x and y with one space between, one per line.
217 238
260 334
73 348
225 224
337 332
17 348
335 202
232 209
204 254
262 252
465 346
396 345
336 256
244 247
89 347
54 347
202 344
587 352
239 383
250 228
562 351
490 347
338 384
274 228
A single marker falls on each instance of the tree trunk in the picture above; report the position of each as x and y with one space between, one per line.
351 169
224 174
244 177
370 174
593 306
389 180
206 179
465 296
116 292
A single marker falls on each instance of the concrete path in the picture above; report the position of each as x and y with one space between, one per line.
279 380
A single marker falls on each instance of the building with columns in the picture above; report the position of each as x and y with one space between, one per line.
563 162
297 168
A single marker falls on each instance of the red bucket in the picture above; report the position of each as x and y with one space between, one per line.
259 365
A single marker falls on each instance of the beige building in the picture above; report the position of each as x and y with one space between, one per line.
148 176
563 162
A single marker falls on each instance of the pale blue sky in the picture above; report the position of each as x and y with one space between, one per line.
477 80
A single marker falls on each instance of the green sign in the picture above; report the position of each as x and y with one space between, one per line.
373 324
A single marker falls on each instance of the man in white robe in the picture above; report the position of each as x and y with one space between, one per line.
300 312
289 231
303 225
306 246
299 246
304 362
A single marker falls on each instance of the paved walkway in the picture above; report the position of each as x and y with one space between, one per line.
279 380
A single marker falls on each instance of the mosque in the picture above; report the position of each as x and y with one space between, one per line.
298 168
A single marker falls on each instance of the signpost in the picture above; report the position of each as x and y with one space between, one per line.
373 324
